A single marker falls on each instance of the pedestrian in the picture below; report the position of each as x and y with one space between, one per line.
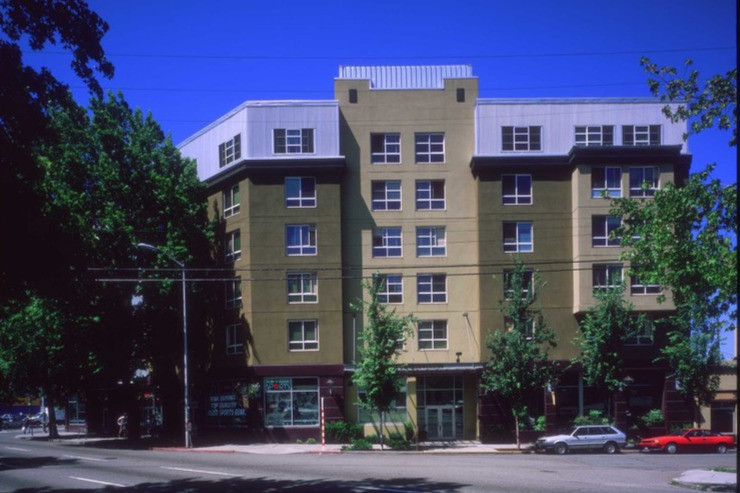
27 425
123 425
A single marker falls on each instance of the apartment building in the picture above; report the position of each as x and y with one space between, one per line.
409 177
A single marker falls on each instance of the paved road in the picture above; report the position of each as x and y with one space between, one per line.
44 467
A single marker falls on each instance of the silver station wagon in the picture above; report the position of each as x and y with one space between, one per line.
586 437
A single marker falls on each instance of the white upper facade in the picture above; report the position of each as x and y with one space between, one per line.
406 76
260 130
555 126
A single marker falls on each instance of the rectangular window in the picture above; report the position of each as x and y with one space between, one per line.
430 195
386 195
644 335
396 414
431 288
602 228
230 151
300 191
606 276
233 246
521 138
644 181
518 237
516 189
430 148
293 140
385 148
303 287
234 342
528 329
641 135
606 179
234 293
387 242
595 135
300 239
638 287
303 335
291 401
231 201
431 241
527 283
391 288
432 334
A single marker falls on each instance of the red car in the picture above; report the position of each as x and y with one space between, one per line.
692 439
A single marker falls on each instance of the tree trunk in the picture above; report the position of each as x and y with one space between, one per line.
516 430
53 431
382 426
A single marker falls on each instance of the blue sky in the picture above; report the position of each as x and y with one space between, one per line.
190 62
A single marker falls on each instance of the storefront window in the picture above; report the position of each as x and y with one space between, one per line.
228 404
291 401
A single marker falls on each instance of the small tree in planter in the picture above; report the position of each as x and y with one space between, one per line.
377 370
518 364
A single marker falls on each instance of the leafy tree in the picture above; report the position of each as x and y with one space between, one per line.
27 97
715 103
519 364
377 369
685 237
110 181
604 331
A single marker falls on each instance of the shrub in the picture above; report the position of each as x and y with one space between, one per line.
398 441
654 417
593 418
539 424
310 441
358 444
342 432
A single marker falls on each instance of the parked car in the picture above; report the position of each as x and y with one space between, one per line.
586 437
692 439
12 421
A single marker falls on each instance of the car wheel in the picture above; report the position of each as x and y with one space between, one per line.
610 448
721 448
671 448
561 448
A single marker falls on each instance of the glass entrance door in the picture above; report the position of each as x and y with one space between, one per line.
440 422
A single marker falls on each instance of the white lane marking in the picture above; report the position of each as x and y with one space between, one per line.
18 449
84 458
96 481
199 471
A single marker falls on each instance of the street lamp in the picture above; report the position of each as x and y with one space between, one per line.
146 246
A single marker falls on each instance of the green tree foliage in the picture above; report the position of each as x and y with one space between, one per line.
714 103
381 339
112 180
27 97
685 237
603 332
518 364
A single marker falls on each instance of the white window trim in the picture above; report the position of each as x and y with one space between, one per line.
234 293
521 131
233 344
304 296
300 345
428 187
639 192
434 241
302 249
518 197
430 289
228 196
385 202
232 254
300 202
613 192
518 244
385 156
385 237
593 135
604 240
229 151
427 156
637 288
432 340
385 295
292 149
641 134
607 268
